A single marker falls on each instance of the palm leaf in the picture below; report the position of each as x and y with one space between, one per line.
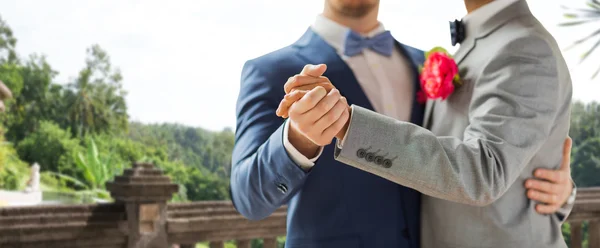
596 73
590 51
93 164
82 164
581 14
594 4
574 23
68 179
579 9
584 16
100 167
577 42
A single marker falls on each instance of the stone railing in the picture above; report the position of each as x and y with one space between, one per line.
216 222
141 217
586 209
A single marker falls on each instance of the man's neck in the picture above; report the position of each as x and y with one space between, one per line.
360 25
473 5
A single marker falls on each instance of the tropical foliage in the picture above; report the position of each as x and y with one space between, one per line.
589 16
80 134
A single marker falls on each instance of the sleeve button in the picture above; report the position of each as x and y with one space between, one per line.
370 157
361 153
387 163
379 160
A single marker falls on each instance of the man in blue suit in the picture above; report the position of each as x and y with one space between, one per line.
331 204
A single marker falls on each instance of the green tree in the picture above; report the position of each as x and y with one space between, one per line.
50 146
585 131
96 98
13 172
31 101
7 44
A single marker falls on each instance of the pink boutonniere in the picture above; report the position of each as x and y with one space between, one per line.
438 76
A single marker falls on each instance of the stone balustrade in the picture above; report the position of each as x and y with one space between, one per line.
586 209
140 217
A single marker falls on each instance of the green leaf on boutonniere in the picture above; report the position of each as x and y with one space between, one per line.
420 69
457 81
437 49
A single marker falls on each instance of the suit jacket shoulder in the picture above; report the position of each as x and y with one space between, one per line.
417 56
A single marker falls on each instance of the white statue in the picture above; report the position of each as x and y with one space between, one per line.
33 185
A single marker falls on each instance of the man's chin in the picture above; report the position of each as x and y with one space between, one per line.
354 9
354 13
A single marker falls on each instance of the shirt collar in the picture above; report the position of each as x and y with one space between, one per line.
335 34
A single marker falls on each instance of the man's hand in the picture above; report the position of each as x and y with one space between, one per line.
552 187
297 93
318 116
297 86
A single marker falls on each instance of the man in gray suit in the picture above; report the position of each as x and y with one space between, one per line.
510 116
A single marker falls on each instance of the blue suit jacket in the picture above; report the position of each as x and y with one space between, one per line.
333 205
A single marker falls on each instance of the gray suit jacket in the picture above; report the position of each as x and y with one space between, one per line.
510 116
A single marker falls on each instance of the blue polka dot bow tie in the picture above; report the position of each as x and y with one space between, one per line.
355 43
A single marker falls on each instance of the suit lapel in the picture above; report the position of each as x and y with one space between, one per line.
314 50
428 110
465 48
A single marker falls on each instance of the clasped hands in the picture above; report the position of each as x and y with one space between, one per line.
317 111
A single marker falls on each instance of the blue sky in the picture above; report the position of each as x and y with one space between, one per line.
181 59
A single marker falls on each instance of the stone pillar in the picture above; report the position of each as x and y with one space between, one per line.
576 234
270 243
594 234
244 243
145 191
216 244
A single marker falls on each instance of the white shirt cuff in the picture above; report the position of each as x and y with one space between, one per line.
305 163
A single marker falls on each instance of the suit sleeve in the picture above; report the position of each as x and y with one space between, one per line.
512 111
263 175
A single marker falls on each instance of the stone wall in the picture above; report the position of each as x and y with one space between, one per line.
141 217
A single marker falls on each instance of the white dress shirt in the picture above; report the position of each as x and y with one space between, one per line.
386 81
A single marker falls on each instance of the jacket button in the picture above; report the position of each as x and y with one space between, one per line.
361 153
370 157
379 160
282 188
387 163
